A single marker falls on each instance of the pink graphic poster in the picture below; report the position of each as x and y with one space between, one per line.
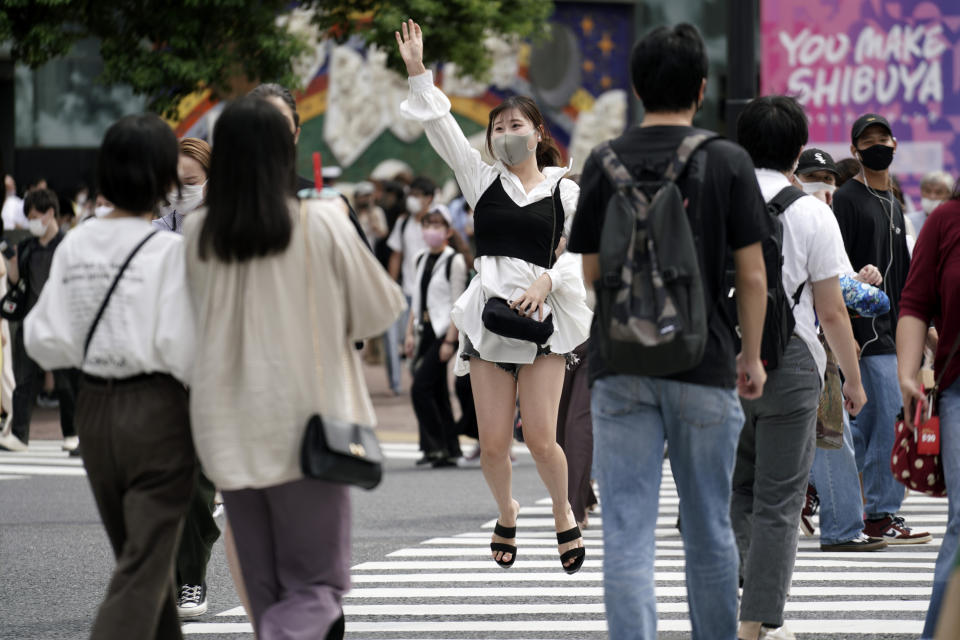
898 58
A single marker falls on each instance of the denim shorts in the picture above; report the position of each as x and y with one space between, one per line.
513 368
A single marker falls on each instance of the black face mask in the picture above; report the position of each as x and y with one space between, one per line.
877 157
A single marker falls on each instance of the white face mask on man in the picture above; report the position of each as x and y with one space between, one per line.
813 187
37 226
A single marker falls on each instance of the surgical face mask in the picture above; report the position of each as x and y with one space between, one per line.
512 149
813 187
876 157
102 210
434 236
414 205
191 197
929 204
37 227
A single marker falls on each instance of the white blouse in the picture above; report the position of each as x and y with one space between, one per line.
499 276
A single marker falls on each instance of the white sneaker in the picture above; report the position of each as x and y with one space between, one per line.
780 633
10 442
70 443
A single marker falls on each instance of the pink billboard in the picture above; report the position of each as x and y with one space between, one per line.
898 58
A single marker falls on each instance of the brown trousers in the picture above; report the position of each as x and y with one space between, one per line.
142 468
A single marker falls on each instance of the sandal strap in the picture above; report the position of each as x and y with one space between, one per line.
505 532
572 553
569 535
500 546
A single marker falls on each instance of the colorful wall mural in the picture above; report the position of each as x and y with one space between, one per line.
349 106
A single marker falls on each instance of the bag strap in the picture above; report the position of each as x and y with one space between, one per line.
784 198
113 287
688 147
953 352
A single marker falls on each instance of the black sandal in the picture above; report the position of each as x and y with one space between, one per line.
504 532
578 553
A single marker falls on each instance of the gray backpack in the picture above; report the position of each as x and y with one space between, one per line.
651 311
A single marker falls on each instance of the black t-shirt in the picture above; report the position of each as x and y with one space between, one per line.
37 267
874 233
732 216
431 259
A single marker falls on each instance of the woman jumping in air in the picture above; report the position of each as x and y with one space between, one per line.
522 208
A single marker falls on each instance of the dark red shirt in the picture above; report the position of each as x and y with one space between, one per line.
932 292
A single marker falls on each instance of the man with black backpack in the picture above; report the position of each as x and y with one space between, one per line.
777 444
660 210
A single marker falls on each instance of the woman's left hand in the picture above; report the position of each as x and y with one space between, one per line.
533 298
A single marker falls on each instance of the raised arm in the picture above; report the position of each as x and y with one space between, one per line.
429 106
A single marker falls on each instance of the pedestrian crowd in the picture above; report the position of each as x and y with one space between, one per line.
777 324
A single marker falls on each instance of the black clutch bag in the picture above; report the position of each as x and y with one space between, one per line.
13 305
499 318
339 452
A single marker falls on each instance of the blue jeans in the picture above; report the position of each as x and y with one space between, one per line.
873 435
950 455
632 416
834 474
393 342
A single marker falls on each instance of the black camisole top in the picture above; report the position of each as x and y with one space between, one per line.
501 227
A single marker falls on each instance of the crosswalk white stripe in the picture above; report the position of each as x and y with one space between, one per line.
523 563
663 576
30 459
499 592
877 628
42 470
544 547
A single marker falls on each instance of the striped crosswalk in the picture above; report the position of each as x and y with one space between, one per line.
47 458
447 587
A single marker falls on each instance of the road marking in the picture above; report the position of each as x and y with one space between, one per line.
447 588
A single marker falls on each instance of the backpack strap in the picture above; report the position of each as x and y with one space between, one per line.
689 146
616 171
784 198
449 264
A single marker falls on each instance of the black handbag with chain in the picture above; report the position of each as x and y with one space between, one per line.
333 450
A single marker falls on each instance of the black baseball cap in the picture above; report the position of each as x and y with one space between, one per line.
815 160
865 121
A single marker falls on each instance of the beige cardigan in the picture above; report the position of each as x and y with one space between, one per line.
255 381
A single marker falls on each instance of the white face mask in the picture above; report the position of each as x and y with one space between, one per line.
414 205
37 227
813 187
102 210
191 197
929 204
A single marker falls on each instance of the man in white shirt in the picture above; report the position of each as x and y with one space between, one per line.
405 242
778 440
12 214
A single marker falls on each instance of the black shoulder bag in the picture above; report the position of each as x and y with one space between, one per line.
333 450
13 305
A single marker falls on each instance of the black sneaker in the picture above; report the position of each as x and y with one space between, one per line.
192 601
810 507
860 543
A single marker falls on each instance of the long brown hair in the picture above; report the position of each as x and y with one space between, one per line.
548 153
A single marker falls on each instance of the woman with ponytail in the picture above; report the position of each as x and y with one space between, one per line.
525 311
